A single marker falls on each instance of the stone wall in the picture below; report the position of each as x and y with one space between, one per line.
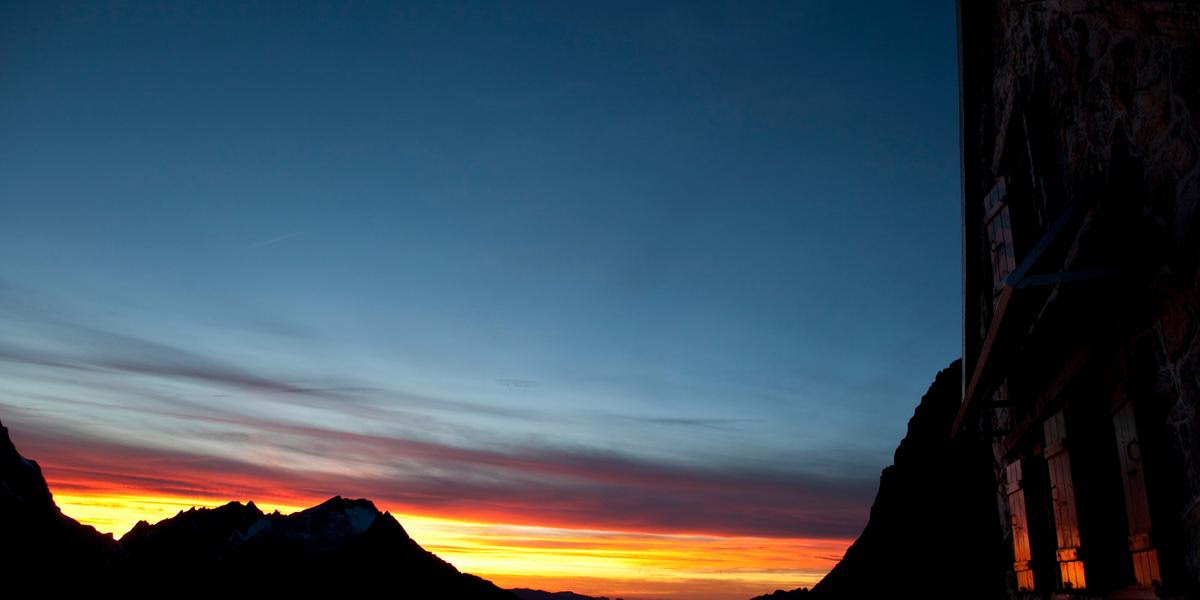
1088 98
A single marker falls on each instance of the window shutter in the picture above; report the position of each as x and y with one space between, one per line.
1062 495
1015 489
1137 507
999 230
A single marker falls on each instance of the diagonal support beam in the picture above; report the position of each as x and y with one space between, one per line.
1067 277
1038 249
1017 279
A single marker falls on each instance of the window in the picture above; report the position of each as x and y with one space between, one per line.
999 232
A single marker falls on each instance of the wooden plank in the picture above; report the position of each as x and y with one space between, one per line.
1025 580
1072 575
1145 568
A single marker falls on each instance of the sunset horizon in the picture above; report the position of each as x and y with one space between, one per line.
523 551
594 562
550 284
537 300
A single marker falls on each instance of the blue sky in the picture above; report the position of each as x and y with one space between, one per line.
693 235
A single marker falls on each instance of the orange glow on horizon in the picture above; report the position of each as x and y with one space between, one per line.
554 558
118 513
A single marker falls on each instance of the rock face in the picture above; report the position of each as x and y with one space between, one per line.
340 546
933 525
34 534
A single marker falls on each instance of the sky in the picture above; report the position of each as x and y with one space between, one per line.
627 298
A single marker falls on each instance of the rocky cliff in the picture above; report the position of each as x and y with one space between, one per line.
933 525
34 534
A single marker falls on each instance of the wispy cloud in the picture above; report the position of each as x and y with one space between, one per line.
690 422
519 485
275 240
517 383
133 413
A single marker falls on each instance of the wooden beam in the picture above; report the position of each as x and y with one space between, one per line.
985 352
1035 253
1018 279
1066 277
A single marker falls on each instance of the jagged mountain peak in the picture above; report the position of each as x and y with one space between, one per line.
36 533
326 526
21 480
192 533
340 503
234 550
339 515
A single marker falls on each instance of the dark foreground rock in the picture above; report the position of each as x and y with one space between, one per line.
934 524
33 531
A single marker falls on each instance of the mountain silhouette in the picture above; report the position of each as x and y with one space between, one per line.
934 506
34 534
528 594
340 546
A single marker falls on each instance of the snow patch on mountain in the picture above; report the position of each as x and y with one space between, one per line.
361 518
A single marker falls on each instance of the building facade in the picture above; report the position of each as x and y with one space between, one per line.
1080 129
